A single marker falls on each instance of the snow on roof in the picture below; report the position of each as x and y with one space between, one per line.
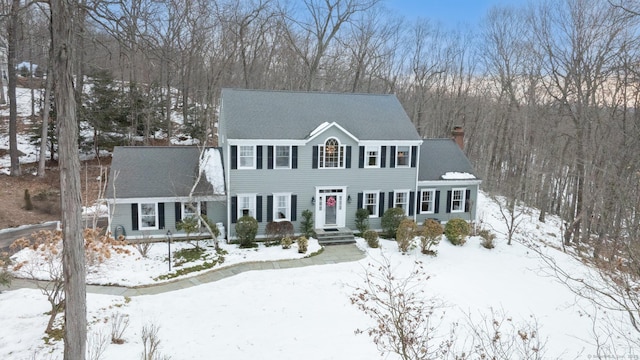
211 164
457 176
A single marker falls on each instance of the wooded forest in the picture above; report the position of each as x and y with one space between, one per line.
547 92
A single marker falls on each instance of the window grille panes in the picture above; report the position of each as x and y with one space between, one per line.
402 156
283 156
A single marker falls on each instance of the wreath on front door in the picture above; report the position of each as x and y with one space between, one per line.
331 201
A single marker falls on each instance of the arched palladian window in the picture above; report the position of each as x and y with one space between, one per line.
332 154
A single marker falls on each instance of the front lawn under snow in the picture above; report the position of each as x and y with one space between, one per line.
306 313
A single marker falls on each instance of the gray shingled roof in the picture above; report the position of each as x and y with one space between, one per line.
440 156
155 171
260 114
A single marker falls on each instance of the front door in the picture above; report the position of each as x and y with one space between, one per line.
330 207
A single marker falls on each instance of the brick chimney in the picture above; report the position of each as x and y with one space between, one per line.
457 134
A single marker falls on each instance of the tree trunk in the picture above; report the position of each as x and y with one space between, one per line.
44 135
75 329
13 110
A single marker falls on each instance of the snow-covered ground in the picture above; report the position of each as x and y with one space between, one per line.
305 313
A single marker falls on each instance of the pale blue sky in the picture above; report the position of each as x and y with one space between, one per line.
450 13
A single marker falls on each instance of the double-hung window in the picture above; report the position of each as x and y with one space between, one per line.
283 157
281 207
401 200
191 210
148 216
246 205
457 200
371 202
427 201
246 157
403 156
372 157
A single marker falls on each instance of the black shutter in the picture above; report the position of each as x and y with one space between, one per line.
234 157
269 208
134 216
348 162
414 156
259 208
258 157
381 205
294 207
392 157
203 208
361 157
391 199
383 156
360 200
467 202
269 157
294 157
234 209
412 201
437 202
314 160
161 215
177 208
448 201
419 202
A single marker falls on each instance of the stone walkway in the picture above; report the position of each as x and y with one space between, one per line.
332 254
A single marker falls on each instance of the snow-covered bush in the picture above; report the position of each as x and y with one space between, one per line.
456 230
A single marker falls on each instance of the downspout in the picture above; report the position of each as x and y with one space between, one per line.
415 183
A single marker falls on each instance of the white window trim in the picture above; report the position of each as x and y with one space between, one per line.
406 194
197 211
408 157
274 210
275 157
433 201
252 205
140 215
253 157
322 156
462 199
368 148
364 202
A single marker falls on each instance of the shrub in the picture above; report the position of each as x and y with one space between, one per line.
5 276
362 220
430 236
246 230
286 242
277 230
303 244
487 239
306 225
406 232
189 225
371 236
456 231
390 221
